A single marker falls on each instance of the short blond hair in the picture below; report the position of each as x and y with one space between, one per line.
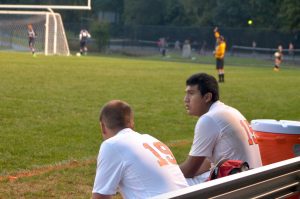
116 114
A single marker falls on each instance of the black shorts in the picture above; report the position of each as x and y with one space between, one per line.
83 43
31 41
219 63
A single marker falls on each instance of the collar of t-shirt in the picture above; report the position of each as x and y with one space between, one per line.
215 104
123 131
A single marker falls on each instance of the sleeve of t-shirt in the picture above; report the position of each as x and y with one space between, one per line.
205 137
109 170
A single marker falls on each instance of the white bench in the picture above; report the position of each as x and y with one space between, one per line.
278 180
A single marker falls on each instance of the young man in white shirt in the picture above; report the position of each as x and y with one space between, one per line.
84 35
221 132
139 165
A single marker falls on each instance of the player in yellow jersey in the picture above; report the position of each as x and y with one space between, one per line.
219 55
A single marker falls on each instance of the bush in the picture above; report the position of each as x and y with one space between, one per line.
100 32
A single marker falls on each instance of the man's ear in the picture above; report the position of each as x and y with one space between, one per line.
132 124
103 128
208 97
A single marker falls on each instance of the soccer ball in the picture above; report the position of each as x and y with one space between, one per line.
78 54
277 54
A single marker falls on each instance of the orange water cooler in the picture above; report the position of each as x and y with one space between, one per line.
277 140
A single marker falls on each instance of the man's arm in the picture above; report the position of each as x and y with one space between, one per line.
101 196
194 166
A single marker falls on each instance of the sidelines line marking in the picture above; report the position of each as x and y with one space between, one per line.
70 164
175 143
46 169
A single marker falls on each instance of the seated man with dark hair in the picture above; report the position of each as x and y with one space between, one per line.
221 132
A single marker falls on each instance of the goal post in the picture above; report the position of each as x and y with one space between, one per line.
42 4
51 38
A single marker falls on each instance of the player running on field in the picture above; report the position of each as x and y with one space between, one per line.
84 35
278 58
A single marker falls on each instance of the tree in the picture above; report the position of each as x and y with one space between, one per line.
144 12
231 13
109 5
275 14
205 12
263 13
175 14
100 32
289 15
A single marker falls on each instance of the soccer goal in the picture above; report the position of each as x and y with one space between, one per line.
48 26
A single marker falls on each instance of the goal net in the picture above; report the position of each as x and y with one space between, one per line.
48 26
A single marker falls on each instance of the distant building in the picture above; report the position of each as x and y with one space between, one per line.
110 17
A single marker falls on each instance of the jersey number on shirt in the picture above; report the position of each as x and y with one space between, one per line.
251 137
163 149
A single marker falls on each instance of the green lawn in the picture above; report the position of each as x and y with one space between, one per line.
49 110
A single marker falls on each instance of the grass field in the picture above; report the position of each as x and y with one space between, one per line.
49 134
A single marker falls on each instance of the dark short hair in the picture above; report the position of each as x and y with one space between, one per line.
116 114
206 84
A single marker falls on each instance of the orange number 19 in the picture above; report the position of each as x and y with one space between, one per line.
162 148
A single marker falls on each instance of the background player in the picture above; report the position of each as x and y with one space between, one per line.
278 58
220 55
84 35
31 38
139 164
221 132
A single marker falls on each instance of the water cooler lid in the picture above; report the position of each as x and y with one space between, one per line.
274 126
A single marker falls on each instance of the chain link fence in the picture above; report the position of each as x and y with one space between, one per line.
144 39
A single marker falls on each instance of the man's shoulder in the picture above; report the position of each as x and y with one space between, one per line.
125 135
146 135
115 145
207 119
219 109
216 106
223 112
114 140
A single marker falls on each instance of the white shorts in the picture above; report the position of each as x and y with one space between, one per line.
198 179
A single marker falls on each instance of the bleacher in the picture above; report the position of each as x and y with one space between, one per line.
278 180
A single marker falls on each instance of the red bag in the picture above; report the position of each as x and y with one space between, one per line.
228 167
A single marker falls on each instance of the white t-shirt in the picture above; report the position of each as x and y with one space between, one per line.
84 34
224 133
138 164
31 33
